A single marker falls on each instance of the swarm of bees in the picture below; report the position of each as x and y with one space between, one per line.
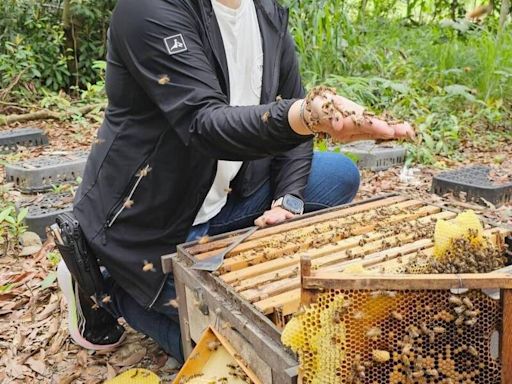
465 255
332 111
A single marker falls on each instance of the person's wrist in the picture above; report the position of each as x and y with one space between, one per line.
295 119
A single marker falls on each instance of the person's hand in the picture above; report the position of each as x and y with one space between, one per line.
348 121
343 120
273 216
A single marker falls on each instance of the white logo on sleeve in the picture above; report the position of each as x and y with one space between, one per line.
175 44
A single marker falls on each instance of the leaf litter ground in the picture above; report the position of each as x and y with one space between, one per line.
34 342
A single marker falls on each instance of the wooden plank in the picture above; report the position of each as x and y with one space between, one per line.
263 267
308 219
379 256
330 230
394 264
506 337
236 356
403 282
179 281
281 273
287 302
306 296
287 284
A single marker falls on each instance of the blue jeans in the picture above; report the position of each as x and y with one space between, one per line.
334 180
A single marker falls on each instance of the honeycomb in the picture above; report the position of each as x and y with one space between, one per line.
457 228
396 337
317 335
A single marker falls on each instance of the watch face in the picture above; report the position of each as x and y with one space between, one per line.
293 204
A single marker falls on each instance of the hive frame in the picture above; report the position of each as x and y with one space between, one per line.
313 281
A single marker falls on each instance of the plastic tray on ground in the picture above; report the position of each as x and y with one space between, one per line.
25 137
44 209
42 173
475 182
376 157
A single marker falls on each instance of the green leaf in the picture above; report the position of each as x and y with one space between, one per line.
5 288
49 280
22 214
5 213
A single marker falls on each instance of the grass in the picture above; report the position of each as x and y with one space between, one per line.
448 78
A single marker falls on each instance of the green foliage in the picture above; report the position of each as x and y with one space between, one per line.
11 224
446 77
35 46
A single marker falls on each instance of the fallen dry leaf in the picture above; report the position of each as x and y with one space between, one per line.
36 365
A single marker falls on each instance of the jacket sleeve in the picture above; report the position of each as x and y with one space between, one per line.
289 170
190 97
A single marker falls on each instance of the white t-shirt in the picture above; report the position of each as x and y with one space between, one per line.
244 53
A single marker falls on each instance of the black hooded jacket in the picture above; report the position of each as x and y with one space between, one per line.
167 124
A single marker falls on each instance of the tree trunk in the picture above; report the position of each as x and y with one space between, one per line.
505 10
69 41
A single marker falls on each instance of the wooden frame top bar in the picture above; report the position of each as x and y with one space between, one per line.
407 282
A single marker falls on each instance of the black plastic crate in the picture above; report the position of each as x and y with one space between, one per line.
43 173
25 137
42 212
475 182
376 157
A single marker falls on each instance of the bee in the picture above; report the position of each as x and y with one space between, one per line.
214 345
144 171
172 303
106 299
467 302
203 240
472 314
424 329
128 203
148 267
414 332
163 79
460 310
279 98
439 330
455 300
98 141
473 351
337 317
359 315
374 333
470 322
265 117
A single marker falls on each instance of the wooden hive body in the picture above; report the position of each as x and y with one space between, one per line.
258 288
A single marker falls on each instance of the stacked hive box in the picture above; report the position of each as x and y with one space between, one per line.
261 280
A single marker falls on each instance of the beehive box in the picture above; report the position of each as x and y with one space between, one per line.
258 288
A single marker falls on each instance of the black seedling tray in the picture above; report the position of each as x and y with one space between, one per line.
475 182
25 137
42 173
376 157
42 213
